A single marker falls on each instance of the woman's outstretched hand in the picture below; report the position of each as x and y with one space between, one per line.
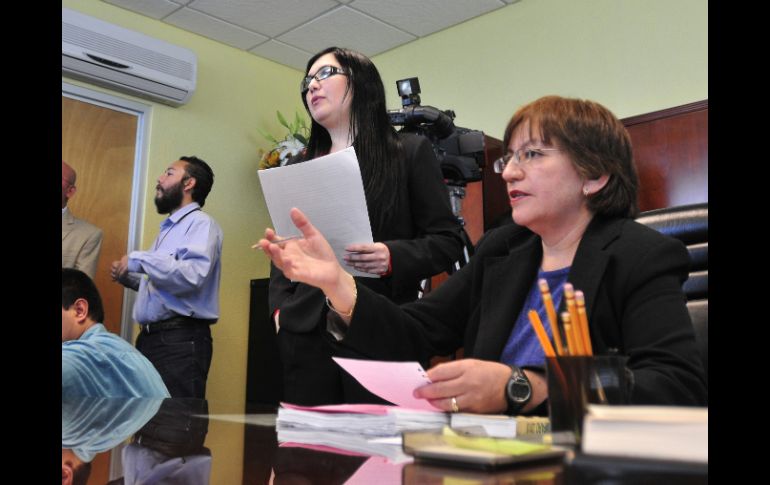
309 259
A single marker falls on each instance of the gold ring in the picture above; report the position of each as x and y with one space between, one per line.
455 407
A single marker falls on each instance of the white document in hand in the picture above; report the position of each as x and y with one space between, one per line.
329 190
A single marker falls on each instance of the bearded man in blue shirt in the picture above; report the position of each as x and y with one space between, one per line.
177 280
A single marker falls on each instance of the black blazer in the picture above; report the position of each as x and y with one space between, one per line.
424 239
631 276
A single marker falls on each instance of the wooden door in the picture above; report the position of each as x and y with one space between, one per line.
99 143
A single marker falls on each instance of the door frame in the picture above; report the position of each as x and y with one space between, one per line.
138 187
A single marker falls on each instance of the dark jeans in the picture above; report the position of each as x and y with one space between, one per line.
182 357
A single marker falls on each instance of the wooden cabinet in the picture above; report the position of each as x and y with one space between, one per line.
264 384
485 201
671 151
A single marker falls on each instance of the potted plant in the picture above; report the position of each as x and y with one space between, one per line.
293 143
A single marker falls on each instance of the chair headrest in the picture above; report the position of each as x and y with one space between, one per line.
688 223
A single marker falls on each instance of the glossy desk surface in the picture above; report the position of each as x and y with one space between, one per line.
208 442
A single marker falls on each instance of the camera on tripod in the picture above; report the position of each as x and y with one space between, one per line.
460 151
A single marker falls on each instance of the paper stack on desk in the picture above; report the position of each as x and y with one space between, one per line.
343 443
371 429
377 429
361 419
366 428
393 381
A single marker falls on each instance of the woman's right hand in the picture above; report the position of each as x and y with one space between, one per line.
309 260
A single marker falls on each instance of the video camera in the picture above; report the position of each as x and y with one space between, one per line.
460 151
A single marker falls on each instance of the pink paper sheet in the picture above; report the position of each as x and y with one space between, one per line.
392 381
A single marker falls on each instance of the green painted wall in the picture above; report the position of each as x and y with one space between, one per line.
633 56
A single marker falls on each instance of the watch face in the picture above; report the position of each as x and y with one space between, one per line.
519 389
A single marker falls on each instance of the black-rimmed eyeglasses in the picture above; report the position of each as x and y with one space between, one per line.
320 75
520 157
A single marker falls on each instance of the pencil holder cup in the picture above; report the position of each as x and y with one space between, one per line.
576 381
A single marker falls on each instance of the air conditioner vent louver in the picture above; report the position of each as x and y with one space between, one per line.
127 61
96 42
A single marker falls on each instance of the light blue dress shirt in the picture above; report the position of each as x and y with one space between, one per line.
90 425
180 274
143 465
101 364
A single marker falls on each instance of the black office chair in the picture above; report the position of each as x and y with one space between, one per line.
690 224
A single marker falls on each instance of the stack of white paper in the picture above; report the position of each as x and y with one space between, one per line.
362 427
361 419
371 429
387 447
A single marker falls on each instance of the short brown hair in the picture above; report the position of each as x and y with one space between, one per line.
596 141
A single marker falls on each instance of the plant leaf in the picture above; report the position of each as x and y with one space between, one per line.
267 136
282 120
298 122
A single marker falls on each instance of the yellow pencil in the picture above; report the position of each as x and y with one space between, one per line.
551 312
581 311
569 297
542 336
571 345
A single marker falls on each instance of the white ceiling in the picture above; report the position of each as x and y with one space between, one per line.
291 31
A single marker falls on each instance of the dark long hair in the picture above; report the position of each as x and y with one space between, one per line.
377 146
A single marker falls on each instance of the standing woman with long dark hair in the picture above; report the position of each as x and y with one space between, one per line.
416 234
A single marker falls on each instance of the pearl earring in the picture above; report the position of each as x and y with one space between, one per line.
585 191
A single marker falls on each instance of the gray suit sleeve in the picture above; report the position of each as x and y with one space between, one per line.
88 257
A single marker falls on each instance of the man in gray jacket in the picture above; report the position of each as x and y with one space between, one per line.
81 241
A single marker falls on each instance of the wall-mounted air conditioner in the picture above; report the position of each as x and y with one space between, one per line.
117 58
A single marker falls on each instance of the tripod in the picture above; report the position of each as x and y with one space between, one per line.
456 196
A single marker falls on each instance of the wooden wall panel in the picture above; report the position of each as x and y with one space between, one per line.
671 153
473 210
496 203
